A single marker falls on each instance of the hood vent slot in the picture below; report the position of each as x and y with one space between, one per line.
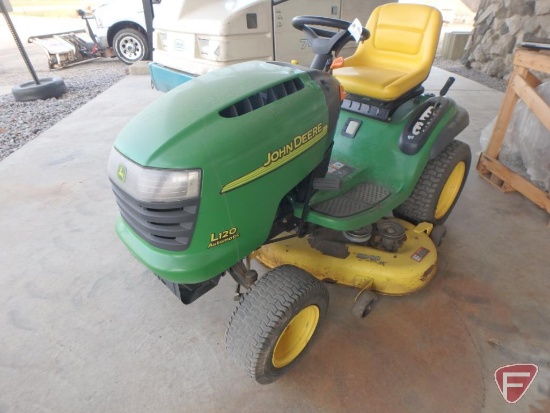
265 97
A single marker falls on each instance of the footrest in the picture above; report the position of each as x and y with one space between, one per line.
359 199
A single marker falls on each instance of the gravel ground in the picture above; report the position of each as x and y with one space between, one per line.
456 67
21 122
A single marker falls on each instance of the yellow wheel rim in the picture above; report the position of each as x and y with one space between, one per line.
450 190
295 336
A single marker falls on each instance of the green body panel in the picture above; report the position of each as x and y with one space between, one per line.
243 179
375 157
184 130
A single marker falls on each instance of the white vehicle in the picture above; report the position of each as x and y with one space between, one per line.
192 37
121 25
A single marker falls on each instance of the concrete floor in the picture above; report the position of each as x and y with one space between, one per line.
85 328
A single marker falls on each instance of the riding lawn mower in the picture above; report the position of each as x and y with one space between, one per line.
341 172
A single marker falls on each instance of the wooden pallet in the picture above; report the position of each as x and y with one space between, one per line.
522 86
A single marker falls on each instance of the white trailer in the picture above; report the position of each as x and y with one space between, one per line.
192 37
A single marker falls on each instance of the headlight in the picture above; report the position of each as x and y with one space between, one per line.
150 184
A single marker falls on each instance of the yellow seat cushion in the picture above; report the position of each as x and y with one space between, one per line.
398 55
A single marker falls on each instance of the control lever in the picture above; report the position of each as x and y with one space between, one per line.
444 91
447 86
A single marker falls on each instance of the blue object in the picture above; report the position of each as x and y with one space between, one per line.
165 79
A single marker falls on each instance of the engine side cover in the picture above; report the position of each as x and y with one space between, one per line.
255 129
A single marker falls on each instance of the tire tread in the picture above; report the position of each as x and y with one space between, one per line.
129 31
420 206
50 87
271 299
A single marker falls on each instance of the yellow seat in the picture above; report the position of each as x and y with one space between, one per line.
398 55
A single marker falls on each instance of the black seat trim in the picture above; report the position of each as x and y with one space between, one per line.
378 109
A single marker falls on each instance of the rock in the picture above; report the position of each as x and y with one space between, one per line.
514 24
508 66
501 13
504 45
544 23
482 29
542 8
531 25
476 66
504 29
499 26
479 54
489 12
487 44
520 7
495 68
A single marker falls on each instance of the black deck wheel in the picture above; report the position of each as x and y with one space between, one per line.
437 234
275 321
439 186
363 304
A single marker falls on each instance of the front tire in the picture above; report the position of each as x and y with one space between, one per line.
439 186
131 46
274 322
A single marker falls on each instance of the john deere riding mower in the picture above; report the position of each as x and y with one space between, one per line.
303 169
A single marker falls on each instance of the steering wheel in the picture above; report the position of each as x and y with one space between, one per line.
325 42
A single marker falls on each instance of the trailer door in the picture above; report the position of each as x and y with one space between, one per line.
289 43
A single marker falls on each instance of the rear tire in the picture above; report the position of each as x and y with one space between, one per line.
439 186
275 321
50 87
131 46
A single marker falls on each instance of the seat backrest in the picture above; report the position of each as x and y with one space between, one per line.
404 37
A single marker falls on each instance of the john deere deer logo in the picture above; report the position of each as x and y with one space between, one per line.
121 173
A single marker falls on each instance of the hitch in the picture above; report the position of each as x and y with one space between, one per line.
69 48
244 276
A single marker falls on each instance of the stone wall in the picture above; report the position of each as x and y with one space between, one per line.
500 25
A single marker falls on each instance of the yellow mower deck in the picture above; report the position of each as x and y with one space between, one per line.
360 266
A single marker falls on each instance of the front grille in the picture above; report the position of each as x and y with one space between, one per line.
165 225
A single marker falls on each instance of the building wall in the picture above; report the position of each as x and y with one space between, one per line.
500 26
